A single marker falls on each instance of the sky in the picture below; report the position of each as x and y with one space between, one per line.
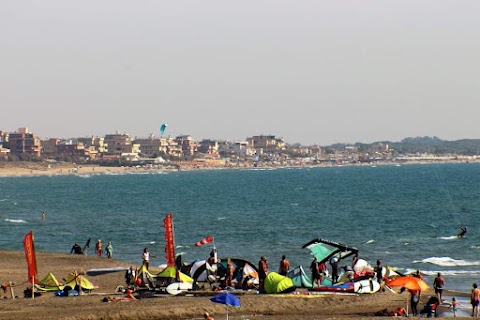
311 72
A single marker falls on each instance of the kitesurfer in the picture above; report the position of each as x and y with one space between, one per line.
76 249
462 233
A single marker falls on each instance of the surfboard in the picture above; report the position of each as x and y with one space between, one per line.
366 286
100 271
179 287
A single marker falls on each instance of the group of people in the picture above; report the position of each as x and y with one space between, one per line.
108 249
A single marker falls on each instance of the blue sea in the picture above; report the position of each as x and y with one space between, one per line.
406 215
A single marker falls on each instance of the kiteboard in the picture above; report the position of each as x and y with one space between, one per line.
366 286
100 271
178 287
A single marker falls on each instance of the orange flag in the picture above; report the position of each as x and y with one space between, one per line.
169 240
30 255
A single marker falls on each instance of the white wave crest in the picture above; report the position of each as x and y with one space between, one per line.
370 241
222 218
448 238
448 262
446 272
152 242
475 247
15 220
1 200
86 176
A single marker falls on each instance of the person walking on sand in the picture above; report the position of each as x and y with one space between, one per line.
438 284
99 248
475 301
109 250
284 266
262 273
146 257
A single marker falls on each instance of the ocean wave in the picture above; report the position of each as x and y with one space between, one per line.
446 272
370 241
222 218
475 247
1 200
86 176
177 247
448 262
448 238
15 220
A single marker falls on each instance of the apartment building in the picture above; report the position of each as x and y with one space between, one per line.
24 142
121 143
187 144
266 144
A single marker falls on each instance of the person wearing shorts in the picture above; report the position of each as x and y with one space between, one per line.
438 284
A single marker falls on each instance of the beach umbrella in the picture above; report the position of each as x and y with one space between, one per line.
226 298
408 282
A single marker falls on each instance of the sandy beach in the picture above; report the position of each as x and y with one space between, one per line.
90 306
20 168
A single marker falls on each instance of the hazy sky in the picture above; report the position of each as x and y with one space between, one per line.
308 71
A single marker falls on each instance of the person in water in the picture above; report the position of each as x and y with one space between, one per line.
462 233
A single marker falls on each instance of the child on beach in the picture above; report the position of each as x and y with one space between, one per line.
455 304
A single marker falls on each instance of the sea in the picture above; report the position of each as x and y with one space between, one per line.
406 215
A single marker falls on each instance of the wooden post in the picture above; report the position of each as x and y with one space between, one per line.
11 289
33 287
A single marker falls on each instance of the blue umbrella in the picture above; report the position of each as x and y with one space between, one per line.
228 299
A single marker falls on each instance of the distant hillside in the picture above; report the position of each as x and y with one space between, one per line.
423 145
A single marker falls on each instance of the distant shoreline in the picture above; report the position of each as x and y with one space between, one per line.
23 169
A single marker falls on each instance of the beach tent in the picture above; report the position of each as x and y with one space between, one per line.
299 277
164 278
73 280
49 283
172 273
276 283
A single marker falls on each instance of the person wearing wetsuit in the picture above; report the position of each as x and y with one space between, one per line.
462 233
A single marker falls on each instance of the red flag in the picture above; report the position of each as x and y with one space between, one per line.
208 239
169 240
30 255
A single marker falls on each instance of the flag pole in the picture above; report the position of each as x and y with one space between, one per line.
214 250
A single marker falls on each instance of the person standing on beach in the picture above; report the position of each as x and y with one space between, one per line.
99 248
262 273
414 299
354 259
475 301
378 271
229 273
315 268
334 264
146 257
109 250
284 266
438 284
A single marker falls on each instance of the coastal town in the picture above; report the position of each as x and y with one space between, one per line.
121 149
